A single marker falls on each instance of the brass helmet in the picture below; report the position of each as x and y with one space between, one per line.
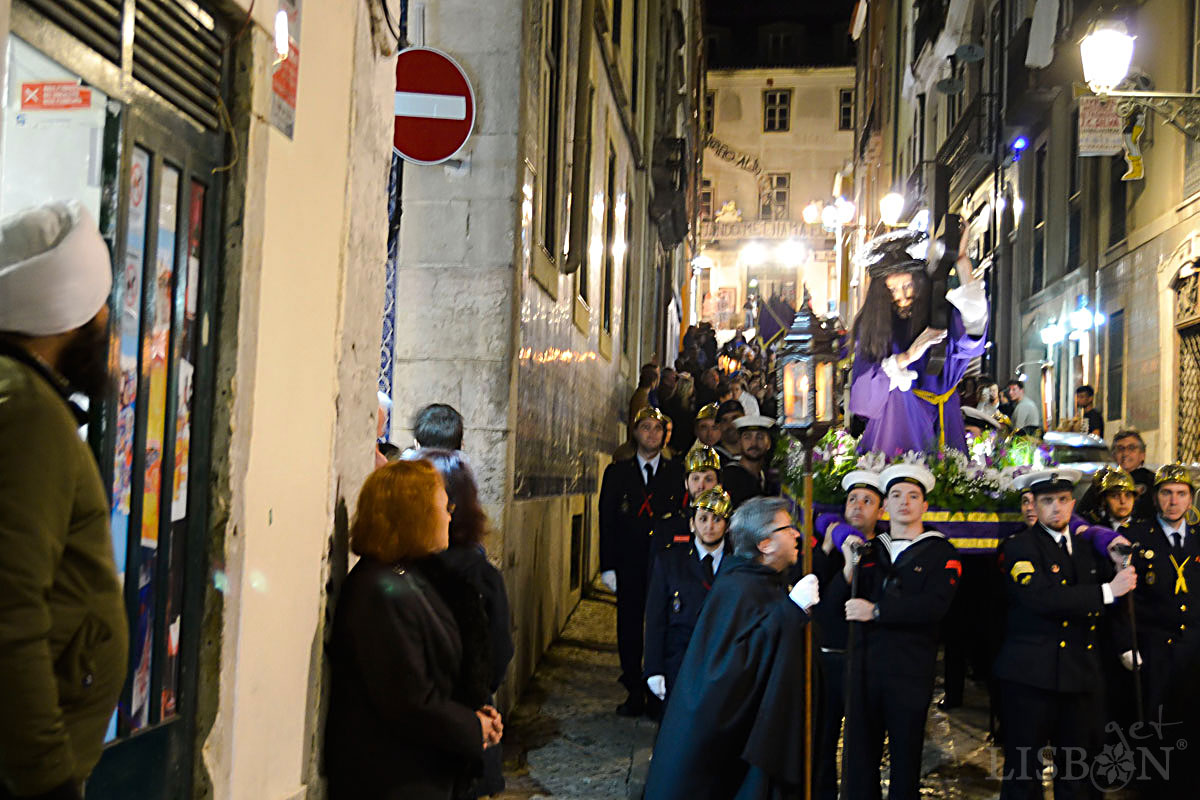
707 412
700 458
1113 479
649 412
1174 473
716 500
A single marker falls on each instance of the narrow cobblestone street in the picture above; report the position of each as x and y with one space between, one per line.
564 741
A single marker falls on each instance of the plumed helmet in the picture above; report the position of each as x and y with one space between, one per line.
1112 479
895 252
1174 473
649 412
716 500
700 458
707 412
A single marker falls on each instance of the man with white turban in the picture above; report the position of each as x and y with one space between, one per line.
63 629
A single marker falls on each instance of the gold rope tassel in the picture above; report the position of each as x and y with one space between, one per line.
940 401
1180 581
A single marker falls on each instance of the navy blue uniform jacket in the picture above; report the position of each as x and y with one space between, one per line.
678 589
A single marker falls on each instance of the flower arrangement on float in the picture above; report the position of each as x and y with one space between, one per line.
979 482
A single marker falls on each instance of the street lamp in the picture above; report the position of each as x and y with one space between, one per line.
1106 52
753 254
805 374
891 207
792 253
1053 333
812 213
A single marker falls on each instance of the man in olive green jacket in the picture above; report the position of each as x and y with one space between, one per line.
63 632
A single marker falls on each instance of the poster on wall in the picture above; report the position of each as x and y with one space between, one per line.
1101 129
285 75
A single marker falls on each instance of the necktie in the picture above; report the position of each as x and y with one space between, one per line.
1177 539
649 473
1065 547
706 564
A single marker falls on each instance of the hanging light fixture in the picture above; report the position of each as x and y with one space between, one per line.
1106 52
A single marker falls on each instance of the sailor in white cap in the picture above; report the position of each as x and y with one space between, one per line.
906 582
1060 589
63 634
861 513
747 477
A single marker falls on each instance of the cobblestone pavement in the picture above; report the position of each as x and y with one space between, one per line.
564 740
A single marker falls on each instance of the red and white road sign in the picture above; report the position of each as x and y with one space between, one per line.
435 106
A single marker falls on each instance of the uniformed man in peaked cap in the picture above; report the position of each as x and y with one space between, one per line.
1167 604
907 580
701 472
1058 588
681 579
636 496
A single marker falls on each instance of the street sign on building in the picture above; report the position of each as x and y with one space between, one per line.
434 106
1101 129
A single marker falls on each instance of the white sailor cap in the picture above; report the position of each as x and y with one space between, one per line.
974 415
907 473
862 478
1042 481
754 421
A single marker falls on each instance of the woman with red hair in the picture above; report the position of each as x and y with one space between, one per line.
406 719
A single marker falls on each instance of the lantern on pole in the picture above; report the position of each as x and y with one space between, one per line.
806 370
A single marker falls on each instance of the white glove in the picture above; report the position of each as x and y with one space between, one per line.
806 593
609 579
658 686
1127 659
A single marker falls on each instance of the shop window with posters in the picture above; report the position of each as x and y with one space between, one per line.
144 154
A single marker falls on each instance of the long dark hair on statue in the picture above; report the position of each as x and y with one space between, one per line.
874 328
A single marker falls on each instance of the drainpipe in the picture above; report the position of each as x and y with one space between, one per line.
580 207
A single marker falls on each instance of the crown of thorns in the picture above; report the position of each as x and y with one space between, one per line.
895 252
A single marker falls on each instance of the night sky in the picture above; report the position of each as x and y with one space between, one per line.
819 31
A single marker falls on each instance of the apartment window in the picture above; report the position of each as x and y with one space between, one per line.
627 279
774 200
710 108
618 17
1074 200
706 200
1039 220
551 166
777 109
781 47
610 239
585 263
1116 200
845 109
1115 397
635 57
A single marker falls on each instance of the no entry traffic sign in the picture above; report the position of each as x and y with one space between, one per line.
435 106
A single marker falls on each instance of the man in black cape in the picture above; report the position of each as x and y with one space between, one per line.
735 725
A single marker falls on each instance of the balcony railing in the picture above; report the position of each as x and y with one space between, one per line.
969 149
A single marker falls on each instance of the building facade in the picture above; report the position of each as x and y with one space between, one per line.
778 140
973 108
243 185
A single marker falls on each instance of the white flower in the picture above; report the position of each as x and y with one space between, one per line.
913 457
874 461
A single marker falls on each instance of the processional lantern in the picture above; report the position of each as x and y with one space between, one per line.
807 369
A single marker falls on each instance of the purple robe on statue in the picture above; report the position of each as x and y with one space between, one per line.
899 420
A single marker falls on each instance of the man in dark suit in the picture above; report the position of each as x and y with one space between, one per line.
1059 588
1167 560
635 496
747 477
907 580
681 579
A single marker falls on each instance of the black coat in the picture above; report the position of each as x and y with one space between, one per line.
742 486
630 511
911 597
735 723
402 721
470 563
1055 607
678 589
